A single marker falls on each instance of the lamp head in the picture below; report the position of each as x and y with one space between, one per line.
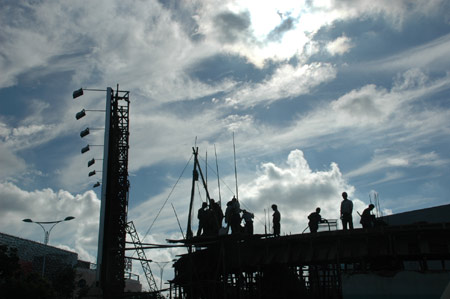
80 114
77 93
85 132
91 162
85 149
27 220
69 218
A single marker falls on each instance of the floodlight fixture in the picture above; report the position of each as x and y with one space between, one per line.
92 173
85 132
77 93
91 162
85 149
96 185
80 114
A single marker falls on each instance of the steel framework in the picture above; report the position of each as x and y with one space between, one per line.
113 221
305 265
142 257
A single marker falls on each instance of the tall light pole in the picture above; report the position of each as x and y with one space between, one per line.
114 193
47 233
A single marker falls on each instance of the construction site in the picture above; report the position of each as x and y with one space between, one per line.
411 261
406 258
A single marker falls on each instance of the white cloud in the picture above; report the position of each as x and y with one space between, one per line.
147 41
297 190
373 112
385 161
429 56
366 106
287 82
339 46
11 164
40 125
412 78
393 12
80 234
309 18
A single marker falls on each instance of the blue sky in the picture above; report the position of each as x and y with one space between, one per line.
322 97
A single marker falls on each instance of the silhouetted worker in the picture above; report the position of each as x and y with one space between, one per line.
235 217
367 219
248 219
202 216
217 215
346 212
276 220
228 215
314 220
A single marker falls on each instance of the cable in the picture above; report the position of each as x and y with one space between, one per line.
171 191
178 220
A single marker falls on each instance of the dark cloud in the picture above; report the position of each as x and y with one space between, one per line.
232 27
218 67
277 33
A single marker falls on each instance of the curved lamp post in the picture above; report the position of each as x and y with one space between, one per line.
161 266
47 232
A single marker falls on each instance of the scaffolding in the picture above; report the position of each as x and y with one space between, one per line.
304 265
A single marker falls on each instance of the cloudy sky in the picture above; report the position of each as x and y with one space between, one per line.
321 96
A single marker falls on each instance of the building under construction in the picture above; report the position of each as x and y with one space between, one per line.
393 261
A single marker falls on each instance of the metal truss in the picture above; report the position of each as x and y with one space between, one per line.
142 257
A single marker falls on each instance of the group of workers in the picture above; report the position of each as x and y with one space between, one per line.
210 218
367 219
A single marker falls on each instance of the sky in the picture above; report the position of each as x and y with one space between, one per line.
293 102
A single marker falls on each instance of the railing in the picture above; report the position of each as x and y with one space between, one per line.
330 225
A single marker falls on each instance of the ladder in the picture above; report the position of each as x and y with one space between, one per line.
131 230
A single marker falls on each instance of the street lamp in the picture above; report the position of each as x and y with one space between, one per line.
161 266
47 232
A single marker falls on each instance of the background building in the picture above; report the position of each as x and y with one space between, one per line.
50 261
438 214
